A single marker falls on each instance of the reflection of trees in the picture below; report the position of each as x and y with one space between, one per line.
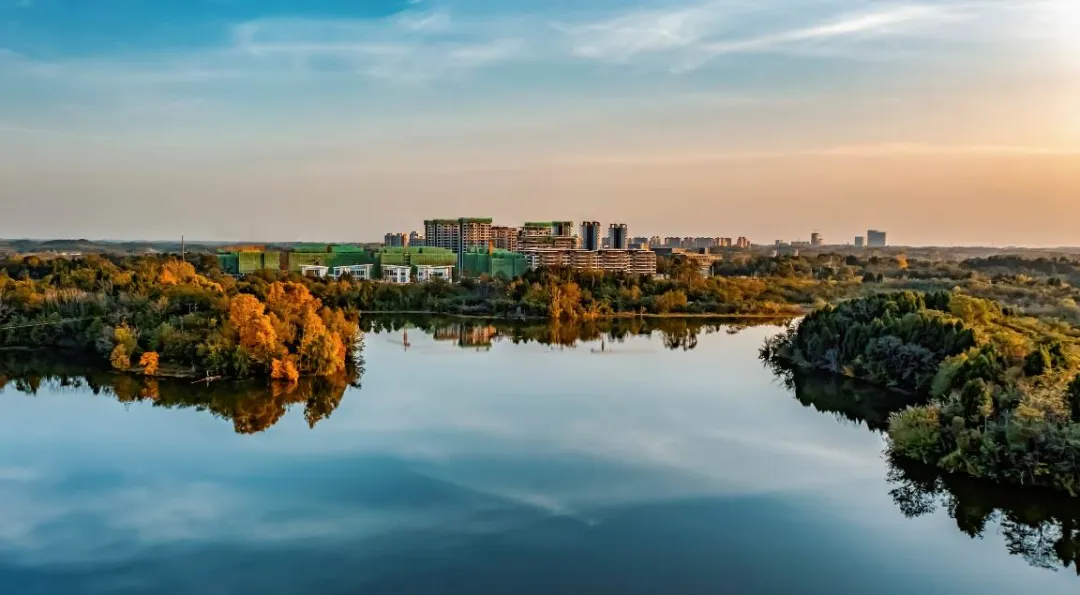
1041 527
251 406
845 398
676 333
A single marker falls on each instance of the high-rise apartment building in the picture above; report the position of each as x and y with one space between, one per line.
619 236
475 232
506 238
743 243
564 229
416 238
860 242
590 235
442 233
396 240
876 239
816 239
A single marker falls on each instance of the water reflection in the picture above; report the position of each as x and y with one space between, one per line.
252 407
480 335
1041 527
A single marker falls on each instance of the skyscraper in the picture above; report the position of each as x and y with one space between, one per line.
860 242
876 239
396 240
618 234
590 235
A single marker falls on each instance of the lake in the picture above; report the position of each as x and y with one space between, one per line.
467 459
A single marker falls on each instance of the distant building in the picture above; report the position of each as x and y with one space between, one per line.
563 229
590 235
618 235
743 243
315 271
425 273
876 239
726 242
397 274
860 242
634 262
356 272
396 240
506 238
458 235
816 240
416 238
442 233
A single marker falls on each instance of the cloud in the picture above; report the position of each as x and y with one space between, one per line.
424 44
685 38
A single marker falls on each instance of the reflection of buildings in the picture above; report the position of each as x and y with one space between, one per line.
466 335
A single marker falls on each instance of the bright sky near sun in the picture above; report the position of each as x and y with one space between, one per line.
945 122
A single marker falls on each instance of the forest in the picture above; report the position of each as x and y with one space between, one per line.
158 316
1002 388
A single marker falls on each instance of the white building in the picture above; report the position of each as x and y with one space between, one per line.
425 273
397 274
358 272
313 270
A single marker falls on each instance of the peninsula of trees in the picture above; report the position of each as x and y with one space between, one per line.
1003 389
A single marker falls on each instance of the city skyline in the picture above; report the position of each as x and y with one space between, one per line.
946 123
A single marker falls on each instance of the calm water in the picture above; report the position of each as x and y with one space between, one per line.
475 462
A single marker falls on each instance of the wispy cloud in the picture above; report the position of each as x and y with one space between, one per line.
688 37
422 44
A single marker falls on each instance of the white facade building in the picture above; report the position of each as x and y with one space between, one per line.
397 274
312 270
359 272
425 273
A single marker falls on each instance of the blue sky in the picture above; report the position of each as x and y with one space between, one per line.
114 108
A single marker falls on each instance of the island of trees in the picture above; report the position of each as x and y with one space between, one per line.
1002 389
158 316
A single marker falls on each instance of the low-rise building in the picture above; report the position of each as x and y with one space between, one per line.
356 272
397 274
313 270
425 273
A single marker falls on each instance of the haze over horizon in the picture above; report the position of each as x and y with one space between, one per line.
954 122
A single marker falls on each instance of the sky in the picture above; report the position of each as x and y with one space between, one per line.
943 122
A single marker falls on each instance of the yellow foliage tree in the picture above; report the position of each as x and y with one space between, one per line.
149 362
322 352
257 336
120 358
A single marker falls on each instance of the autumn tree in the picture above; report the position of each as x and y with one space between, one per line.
149 363
258 340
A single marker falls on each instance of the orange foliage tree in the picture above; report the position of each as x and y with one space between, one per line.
258 340
149 362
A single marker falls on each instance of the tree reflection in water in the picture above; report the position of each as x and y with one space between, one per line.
252 407
676 333
1041 527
